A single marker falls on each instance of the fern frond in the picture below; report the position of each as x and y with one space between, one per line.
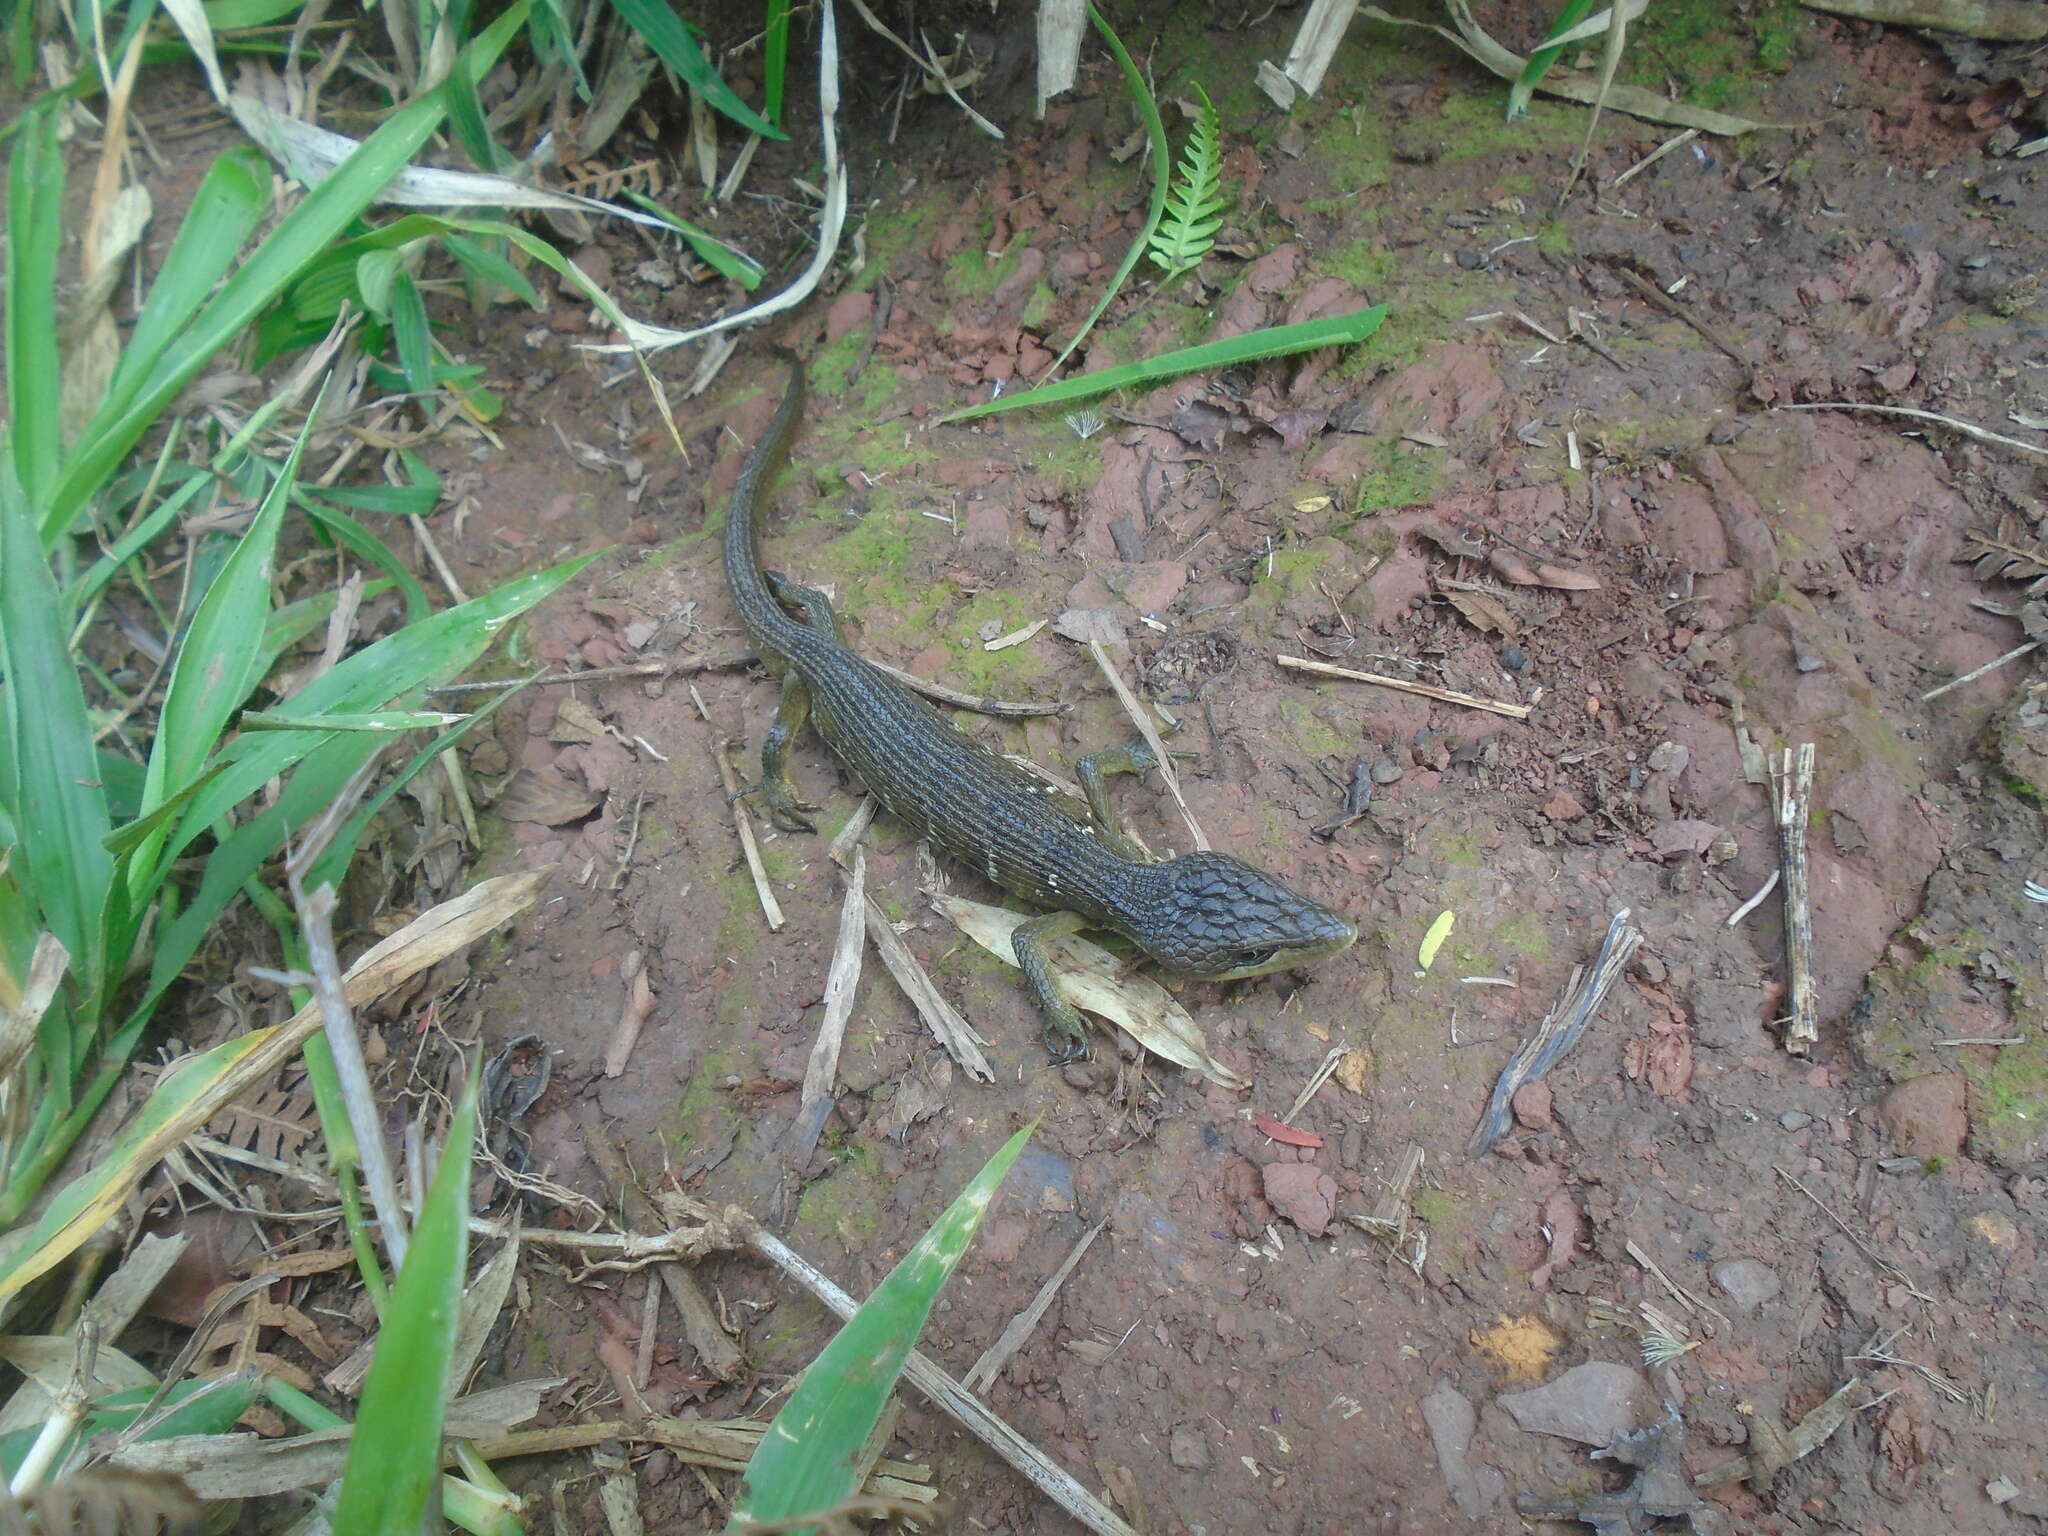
1194 205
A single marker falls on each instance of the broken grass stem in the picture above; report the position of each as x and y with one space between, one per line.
1421 690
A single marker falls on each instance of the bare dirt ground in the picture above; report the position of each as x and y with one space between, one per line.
1233 1355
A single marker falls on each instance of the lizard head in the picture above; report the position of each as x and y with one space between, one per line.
1223 919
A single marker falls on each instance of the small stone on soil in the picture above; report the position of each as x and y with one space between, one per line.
1795 1120
1748 1283
1189 1448
1592 1403
1386 771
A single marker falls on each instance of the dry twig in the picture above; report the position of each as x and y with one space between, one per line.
1421 690
1795 793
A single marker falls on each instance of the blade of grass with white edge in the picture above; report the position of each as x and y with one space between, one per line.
232 201
394 1456
1162 172
1252 347
728 260
808 1461
1524 88
300 236
59 812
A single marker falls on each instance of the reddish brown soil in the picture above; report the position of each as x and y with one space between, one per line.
1800 567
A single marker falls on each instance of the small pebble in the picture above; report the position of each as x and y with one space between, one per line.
1513 657
1748 1283
1386 771
1794 1120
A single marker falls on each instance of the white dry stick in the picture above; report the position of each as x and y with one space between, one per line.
1795 792
1315 45
1142 718
1953 423
1401 685
842 983
1755 901
960 1039
743 823
1061 24
983 1373
1976 672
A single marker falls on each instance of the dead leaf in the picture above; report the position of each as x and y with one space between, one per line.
1202 425
1287 1135
274 1123
1486 614
1672 838
1566 578
1082 625
1091 978
576 722
548 797
295 1266
1298 428
1510 566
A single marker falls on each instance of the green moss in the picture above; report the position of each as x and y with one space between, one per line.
2009 1104
1066 461
847 1206
705 1113
2021 789
1289 575
1406 475
1311 734
1524 935
893 230
1039 307
1712 54
1434 1207
1458 850
1366 265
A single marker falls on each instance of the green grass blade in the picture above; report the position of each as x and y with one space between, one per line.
1569 15
394 1456
810 1458
433 650
334 862
35 235
728 260
1162 171
663 31
301 236
487 266
466 116
411 335
372 551
220 659
1255 346
774 60
57 805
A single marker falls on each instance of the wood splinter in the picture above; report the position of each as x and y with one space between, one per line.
1795 793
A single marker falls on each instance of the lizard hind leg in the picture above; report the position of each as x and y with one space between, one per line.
785 807
1066 1035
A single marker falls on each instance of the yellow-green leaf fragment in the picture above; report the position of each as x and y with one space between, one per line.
1433 940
